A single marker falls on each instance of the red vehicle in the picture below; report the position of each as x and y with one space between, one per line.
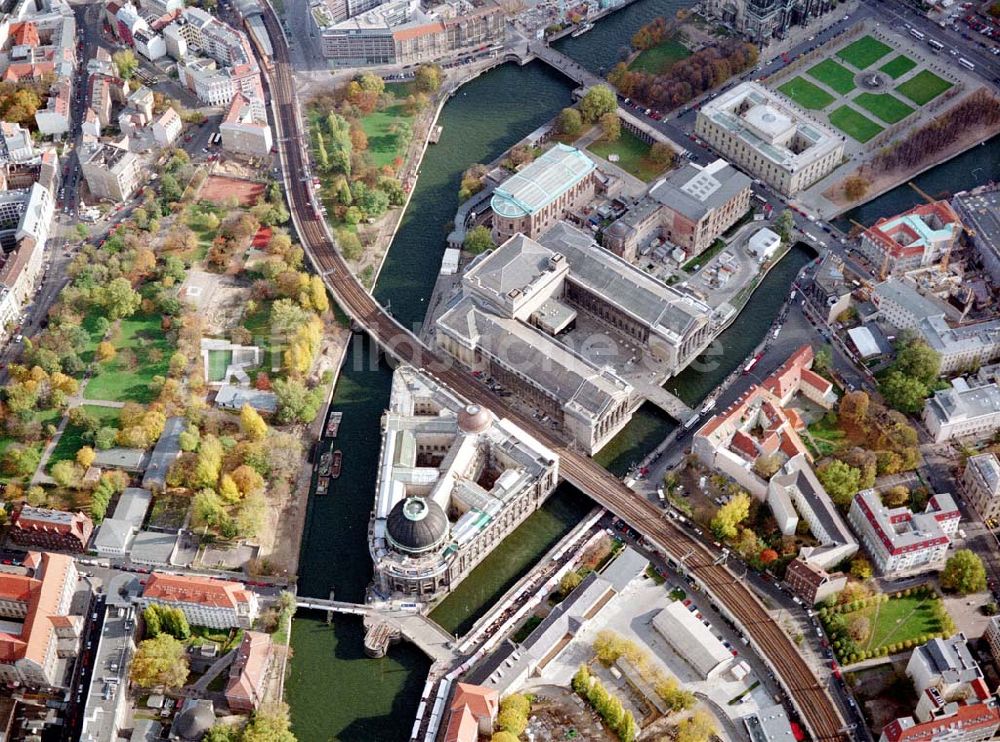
836 669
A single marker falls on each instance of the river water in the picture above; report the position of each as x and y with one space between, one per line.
335 692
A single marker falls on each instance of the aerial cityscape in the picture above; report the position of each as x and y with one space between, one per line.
484 371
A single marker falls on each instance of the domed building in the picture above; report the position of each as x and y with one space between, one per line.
453 481
194 721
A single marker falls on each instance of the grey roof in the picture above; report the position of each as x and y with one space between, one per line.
632 219
132 506
234 397
146 730
113 535
566 376
988 467
194 720
167 449
129 459
695 191
696 643
769 724
625 568
952 404
568 616
981 337
517 263
639 295
153 547
949 659
907 296
417 524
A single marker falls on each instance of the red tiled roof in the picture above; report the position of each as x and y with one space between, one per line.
192 589
469 705
977 716
249 670
24 34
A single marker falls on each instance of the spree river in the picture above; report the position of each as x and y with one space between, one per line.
335 692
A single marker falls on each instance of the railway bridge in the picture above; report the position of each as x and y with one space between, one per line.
809 697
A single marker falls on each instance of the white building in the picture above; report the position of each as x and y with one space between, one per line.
216 604
696 643
150 45
899 541
111 172
763 244
167 127
245 130
762 133
115 535
981 480
962 411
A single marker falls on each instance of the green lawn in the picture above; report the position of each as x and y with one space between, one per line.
124 379
886 107
71 439
45 417
923 87
806 94
632 153
864 52
387 133
895 621
259 325
835 76
218 362
660 58
854 124
898 67
196 219
824 439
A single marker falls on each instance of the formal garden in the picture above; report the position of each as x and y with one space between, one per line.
885 624
857 97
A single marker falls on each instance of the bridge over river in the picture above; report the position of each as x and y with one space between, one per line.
383 626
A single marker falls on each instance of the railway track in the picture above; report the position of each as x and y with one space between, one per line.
814 705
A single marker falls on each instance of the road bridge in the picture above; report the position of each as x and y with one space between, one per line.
385 626
810 699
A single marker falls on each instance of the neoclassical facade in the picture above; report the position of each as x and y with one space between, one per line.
453 482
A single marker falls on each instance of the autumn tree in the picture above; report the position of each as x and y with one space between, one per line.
252 424
861 568
85 457
964 573
428 78
270 723
841 481
126 63
895 496
160 662
611 127
698 727
730 515
598 101
105 351
856 187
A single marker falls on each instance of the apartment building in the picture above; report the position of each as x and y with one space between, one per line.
812 583
167 127
39 636
764 134
403 32
922 236
217 604
112 172
902 306
542 193
899 541
50 529
953 701
245 130
963 411
981 480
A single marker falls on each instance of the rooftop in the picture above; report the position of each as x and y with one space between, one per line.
956 404
696 190
702 649
541 182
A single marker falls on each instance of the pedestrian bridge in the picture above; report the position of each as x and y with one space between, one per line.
385 626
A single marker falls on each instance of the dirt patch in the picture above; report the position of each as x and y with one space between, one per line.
219 299
559 714
219 189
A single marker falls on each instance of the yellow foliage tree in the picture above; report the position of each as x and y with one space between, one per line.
252 424
85 457
105 351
